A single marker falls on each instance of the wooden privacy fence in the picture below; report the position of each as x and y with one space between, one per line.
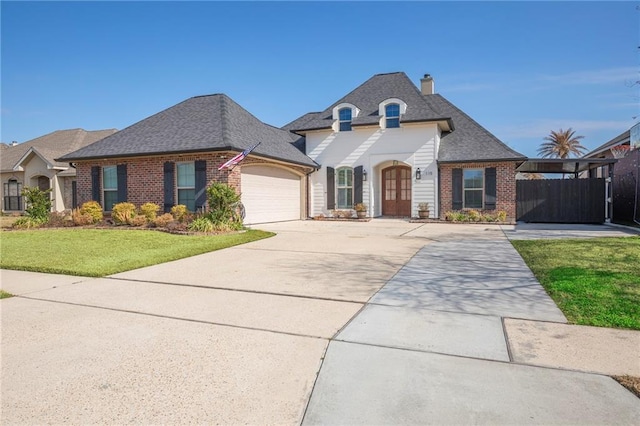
561 200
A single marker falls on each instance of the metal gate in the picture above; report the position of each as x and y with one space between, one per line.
561 200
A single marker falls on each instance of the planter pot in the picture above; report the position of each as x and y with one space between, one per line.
361 215
423 214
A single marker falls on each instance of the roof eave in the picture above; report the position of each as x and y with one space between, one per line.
488 160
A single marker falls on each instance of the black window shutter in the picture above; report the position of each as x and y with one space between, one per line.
456 189
95 183
169 170
201 183
122 183
331 188
490 188
357 184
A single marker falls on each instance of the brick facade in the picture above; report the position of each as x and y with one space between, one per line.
145 175
505 185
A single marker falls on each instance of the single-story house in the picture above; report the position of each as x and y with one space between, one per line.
33 163
387 144
170 158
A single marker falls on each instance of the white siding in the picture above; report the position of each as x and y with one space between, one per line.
415 145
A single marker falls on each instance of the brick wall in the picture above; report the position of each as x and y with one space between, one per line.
145 175
505 185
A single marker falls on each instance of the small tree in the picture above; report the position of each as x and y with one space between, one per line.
38 203
223 202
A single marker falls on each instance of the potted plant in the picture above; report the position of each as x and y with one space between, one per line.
361 210
423 210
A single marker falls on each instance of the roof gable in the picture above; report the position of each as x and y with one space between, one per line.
50 146
198 124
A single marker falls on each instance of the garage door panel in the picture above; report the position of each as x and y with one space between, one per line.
270 194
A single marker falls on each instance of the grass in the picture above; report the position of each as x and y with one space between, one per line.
4 294
100 252
7 221
593 281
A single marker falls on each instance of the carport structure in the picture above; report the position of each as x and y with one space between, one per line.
587 200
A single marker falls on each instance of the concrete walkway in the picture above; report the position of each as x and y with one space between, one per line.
328 322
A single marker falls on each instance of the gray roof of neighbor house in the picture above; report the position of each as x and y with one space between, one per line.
621 139
467 140
51 146
198 124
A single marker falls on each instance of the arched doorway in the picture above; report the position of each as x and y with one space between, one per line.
396 191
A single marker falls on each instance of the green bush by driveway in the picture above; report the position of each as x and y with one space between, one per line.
100 252
593 281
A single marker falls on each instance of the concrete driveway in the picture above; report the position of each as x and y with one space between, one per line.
279 331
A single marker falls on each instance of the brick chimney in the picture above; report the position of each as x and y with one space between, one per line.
426 85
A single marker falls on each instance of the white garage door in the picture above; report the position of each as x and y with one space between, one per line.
270 194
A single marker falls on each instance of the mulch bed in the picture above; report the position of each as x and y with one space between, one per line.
631 383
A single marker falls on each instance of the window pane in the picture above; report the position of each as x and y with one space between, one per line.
110 198
473 179
393 123
188 198
345 114
392 110
109 178
472 199
186 175
345 198
345 126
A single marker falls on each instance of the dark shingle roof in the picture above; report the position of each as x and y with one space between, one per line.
367 97
52 145
469 141
621 139
199 124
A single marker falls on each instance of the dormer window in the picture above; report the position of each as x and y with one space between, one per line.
392 115
344 116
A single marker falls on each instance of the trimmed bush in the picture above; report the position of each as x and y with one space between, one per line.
138 220
163 220
93 209
122 213
150 211
179 212
82 219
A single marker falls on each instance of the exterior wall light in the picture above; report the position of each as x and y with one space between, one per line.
364 175
418 174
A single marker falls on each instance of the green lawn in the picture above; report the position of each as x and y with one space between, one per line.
100 252
593 281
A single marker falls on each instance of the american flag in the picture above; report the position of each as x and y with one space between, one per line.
238 158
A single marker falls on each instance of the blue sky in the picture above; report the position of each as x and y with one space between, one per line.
521 69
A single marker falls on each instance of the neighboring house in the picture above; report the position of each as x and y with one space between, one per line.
170 158
604 151
33 163
392 146
386 144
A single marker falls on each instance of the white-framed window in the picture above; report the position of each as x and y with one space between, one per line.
473 188
13 195
344 188
392 115
187 185
344 117
110 186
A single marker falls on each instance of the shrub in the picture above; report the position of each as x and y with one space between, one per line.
149 210
223 200
501 216
201 224
360 207
138 220
179 212
26 222
473 215
122 213
163 220
423 207
93 209
81 219
38 204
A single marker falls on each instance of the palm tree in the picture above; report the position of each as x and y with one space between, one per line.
561 145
